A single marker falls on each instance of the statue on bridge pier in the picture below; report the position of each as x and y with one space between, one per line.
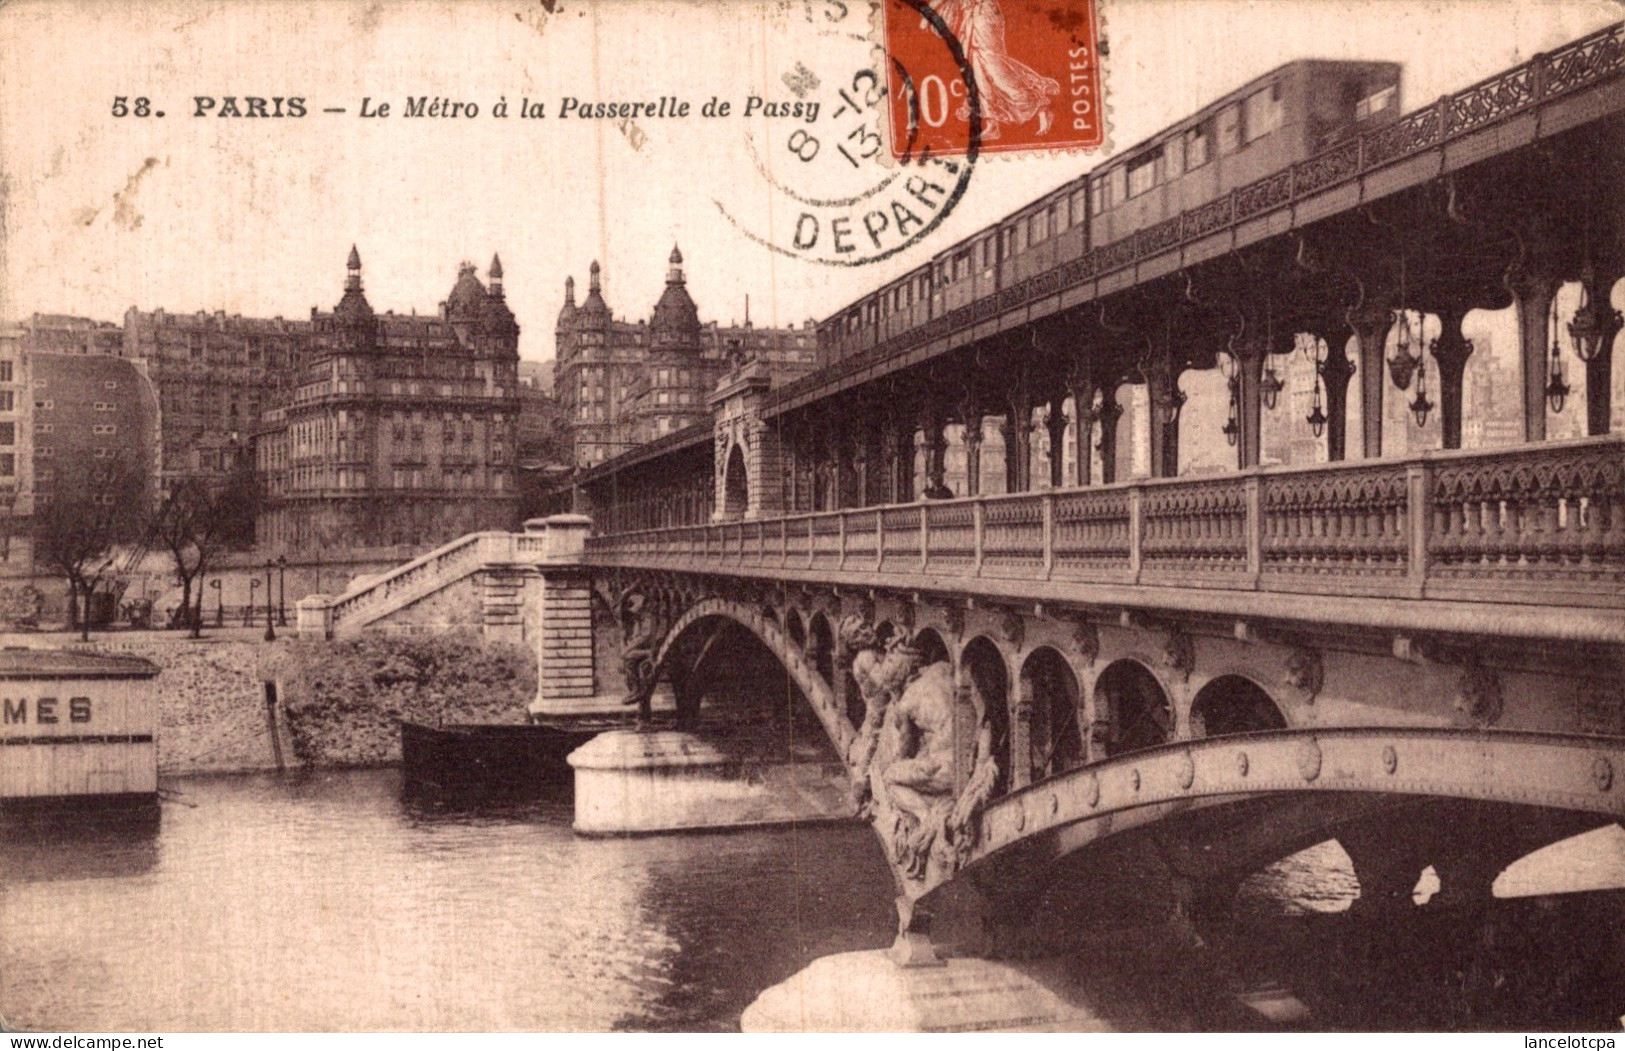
638 638
881 671
909 765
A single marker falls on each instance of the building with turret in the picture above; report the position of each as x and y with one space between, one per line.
621 384
397 429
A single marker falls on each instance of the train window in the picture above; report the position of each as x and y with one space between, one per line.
1037 227
1009 235
1080 206
1229 130
1375 103
1097 195
1198 146
1142 171
1263 113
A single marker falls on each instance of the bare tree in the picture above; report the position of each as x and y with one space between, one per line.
94 506
199 520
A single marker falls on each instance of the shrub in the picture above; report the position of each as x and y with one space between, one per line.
345 700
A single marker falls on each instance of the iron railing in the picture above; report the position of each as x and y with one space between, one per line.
1540 524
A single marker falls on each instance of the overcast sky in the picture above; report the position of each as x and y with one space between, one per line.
256 216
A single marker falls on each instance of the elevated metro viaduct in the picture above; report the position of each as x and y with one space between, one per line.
1422 656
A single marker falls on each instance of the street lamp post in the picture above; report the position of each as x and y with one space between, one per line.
281 591
219 603
270 627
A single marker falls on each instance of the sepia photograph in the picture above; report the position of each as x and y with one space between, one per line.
803 516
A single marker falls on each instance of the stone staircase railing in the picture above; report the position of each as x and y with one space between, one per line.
329 616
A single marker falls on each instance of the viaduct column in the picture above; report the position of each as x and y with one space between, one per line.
1018 438
1162 386
1371 324
1597 323
1335 373
1249 412
1451 352
1533 292
902 480
1056 424
1110 413
970 410
1081 385
934 446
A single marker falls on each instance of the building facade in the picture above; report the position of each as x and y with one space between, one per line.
621 384
88 410
16 451
215 374
397 429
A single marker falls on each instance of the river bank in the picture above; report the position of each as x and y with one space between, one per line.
337 704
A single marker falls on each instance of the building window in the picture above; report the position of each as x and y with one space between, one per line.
44 450
105 428
8 433
110 384
43 428
5 371
8 401
8 464
47 403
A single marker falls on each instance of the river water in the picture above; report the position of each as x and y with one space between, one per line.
324 902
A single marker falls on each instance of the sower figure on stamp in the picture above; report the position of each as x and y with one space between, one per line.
1011 92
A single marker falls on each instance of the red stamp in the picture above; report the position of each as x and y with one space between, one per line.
992 76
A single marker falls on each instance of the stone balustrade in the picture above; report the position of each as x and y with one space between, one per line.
1542 525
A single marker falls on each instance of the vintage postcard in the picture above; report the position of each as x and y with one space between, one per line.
811 515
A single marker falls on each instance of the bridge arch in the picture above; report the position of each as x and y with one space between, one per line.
930 646
821 646
1132 709
1234 704
1049 689
984 694
797 664
735 485
795 627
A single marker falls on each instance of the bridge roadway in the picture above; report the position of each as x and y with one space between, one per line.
1420 657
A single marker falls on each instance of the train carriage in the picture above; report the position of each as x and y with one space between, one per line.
1265 126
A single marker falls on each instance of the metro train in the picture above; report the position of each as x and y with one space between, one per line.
1268 124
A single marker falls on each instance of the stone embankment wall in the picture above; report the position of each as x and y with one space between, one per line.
339 702
345 700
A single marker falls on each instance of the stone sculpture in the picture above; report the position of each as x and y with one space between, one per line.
638 636
881 673
929 821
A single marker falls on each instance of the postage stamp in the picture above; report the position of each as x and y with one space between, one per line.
843 198
1012 76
